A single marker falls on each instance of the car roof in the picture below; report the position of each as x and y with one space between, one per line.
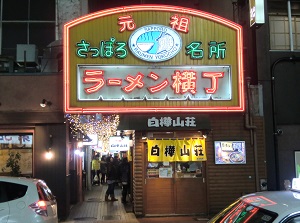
20 180
281 202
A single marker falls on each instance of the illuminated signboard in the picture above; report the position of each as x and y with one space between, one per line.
164 83
257 12
152 58
22 141
176 150
117 144
155 43
230 152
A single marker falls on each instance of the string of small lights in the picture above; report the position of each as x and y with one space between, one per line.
104 126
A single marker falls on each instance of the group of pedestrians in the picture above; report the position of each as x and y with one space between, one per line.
113 171
98 167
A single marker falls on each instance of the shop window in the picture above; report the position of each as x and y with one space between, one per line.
191 169
12 144
160 170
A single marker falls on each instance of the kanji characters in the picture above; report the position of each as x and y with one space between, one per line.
214 81
170 151
171 122
180 23
198 150
184 82
166 121
155 151
153 122
127 23
217 49
176 150
194 50
184 151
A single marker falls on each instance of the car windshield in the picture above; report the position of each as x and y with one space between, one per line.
242 212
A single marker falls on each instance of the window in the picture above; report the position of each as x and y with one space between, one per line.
11 191
280 33
160 169
281 37
189 169
17 143
26 22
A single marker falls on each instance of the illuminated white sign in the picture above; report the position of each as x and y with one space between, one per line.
15 141
155 43
257 12
139 83
117 144
230 152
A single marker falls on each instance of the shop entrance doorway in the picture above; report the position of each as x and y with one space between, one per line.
175 188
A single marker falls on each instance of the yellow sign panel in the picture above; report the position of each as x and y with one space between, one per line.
176 150
152 58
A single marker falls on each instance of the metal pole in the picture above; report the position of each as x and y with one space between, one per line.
290 25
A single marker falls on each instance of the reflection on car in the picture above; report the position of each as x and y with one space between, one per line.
264 207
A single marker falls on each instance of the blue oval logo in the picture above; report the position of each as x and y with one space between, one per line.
155 43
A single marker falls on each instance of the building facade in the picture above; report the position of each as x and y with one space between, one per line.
28 78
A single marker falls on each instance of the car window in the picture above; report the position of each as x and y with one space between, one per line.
11 191
244 212
45 192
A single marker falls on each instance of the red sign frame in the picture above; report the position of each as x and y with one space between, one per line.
69 106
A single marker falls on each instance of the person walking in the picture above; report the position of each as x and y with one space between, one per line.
96 170
125 176
111 179
103 169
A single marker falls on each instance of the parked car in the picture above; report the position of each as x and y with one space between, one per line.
263 207
26 200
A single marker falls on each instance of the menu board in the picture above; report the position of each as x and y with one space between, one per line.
165 172
230 152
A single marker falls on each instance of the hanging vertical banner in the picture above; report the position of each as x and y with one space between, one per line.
176 150
199 151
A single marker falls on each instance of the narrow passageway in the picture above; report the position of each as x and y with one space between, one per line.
94 209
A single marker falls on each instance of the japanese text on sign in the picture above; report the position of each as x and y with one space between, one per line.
176 150
119 49
171 122
153 83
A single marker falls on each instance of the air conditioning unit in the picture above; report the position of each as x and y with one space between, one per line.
26 58
52 59
26 53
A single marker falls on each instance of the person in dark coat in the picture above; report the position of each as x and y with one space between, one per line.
103 169
111 179
125 176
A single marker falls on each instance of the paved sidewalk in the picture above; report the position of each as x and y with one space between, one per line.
94 210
